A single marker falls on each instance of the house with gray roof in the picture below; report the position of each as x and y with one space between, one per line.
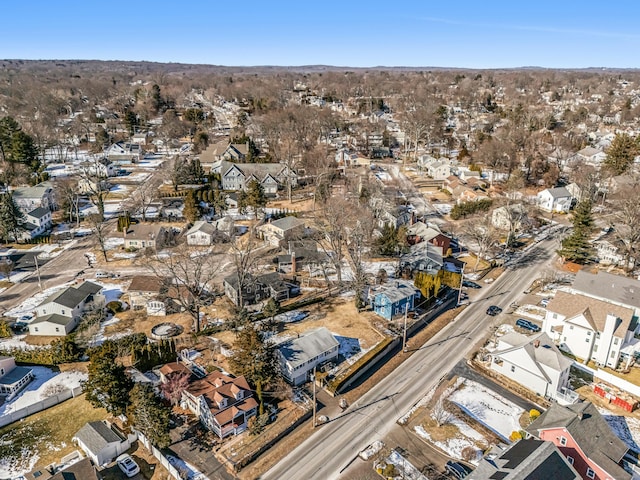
584 438
80 470
280 232
526 459
555 200
535 363
237 176
257 288
394 298
30 198
204 233
37 222
61 312
422 257
102 441
13 378
614 289
299 356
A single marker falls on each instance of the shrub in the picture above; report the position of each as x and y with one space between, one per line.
515 436
465 209
114 307
533 414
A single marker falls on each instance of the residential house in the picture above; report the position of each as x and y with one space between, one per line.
611 251
299 356
143 235
223 404
421 232
440 169
101 168
207 233
590 155
38 196
615 289
302 256
575 191
13 378
534 362
36 222
122 152
102 441
424 161
465 174
394 216
509 217
584 438
147 292
555 200
237 176
258 288
140 138
422 257
397 297
451 183
278 232
590 329
61 312
213 153
529 459
81 470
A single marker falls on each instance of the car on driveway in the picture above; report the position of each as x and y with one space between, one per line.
544 302
457 470
527 325
493 310
128 466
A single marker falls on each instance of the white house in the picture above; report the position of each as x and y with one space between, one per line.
60 313
207 233
121 152
614 289
440 169
282 230
555 200
591 155
103 442
30 198
509 217
299 356
37 222
590 329
13 378
101 168
534 362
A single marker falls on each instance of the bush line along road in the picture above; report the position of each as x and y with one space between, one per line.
328 452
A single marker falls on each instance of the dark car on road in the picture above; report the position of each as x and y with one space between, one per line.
457 470
527 325
467 283
493 310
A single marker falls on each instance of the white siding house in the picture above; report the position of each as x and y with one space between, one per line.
556 200
299 356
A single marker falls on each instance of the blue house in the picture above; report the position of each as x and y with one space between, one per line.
394 298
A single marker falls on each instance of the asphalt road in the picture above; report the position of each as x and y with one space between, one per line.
328 453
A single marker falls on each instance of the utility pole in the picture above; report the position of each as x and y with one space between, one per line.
404 331
314 397
461 282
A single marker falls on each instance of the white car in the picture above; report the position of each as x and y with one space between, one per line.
128 466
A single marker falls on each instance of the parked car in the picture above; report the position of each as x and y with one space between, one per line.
527 325
102 275
467 283
493 310
544 302
128 466
457 470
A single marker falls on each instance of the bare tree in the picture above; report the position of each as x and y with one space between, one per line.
6 267
626 217
176 383
192 274
483 234
335 220
440 414
94 183
100 230
245 253
68 197
144 195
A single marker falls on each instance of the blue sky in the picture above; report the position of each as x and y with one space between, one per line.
475 34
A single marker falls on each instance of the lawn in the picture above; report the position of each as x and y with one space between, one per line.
45 437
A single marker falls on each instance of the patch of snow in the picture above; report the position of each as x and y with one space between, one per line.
371 450
531 311
192 472
626 429
488 408
423 401
291 317
113 242
405 467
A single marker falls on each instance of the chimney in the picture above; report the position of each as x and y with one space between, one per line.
293 262
536 344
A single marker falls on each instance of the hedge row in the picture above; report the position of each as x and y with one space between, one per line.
335 384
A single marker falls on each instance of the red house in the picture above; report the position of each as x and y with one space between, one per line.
584 438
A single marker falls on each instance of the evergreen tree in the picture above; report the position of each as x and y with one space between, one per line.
108 385
191 208
254 197
393 240
11 218
621 154
156 98
149 415
16 146
255 358
577 247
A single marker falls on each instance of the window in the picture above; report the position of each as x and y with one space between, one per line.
36 329
555 316
1 372
563 441
615 341
570 460
587 339
570 327
589 333
57 329
513 368
591 473
62 312
612 354
595 348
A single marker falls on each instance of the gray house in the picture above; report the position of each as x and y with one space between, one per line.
102 442
59 314
299 356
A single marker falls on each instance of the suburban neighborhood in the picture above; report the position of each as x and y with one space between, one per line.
213 272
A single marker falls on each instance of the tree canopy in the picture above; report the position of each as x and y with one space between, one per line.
577 247
108 385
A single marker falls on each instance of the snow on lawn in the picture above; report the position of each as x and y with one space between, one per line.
100 337
16 342
467 437
125 255
626 429
291 317
404 467
138 177
348 346
46 384
29 305
113 243
487 407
